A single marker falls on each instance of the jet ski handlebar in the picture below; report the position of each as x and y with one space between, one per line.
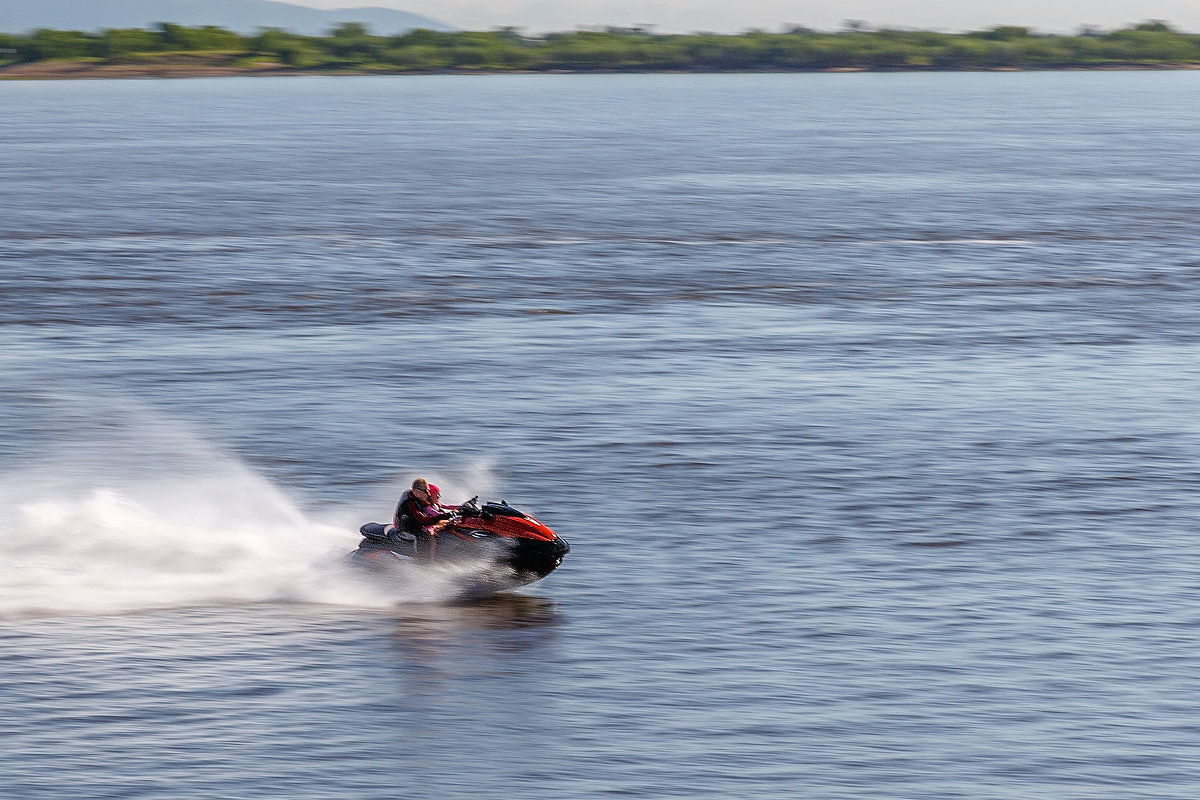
470 508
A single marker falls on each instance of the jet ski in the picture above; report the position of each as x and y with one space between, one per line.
505 547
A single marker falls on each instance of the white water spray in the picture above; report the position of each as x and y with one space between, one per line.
152 517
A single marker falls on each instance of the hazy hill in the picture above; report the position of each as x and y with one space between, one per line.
242 16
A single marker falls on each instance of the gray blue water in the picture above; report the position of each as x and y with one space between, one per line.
867 402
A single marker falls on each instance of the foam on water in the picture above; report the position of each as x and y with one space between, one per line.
147 515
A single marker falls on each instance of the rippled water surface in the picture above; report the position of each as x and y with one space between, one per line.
868 404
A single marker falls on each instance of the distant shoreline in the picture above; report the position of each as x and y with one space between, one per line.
184 67
173 68
175 51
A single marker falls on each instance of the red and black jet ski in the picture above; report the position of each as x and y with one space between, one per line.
492 535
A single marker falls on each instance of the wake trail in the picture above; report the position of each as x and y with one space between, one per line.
151 517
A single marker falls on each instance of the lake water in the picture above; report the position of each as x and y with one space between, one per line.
868 403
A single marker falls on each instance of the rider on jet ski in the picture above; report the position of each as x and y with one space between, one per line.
419 512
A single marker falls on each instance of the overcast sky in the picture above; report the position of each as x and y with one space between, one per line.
727 16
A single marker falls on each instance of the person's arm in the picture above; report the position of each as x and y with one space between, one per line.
426 515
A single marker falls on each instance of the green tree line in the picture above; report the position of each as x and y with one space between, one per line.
352 47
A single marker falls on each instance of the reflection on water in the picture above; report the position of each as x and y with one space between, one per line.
510 610
435 634
506 611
